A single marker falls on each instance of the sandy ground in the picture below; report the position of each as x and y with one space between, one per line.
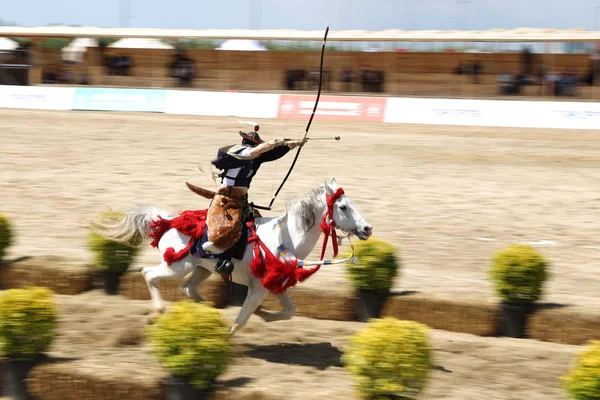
448 197
301 358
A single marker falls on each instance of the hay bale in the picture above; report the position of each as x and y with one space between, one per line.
456 315
82 380
568 325
62 275
337 304
77 381
214 289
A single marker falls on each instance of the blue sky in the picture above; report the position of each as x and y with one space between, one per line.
310 14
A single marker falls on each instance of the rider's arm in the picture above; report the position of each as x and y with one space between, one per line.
254 152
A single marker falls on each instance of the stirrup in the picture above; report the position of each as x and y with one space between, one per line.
224 267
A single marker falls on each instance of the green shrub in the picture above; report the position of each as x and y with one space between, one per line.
110 255
390 358
192 342
519 273
5 235
28 318
377 268
582 382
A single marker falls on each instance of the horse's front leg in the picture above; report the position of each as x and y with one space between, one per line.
256 295
289 309
190 288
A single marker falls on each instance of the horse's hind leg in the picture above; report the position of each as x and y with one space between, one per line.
289 309
153 275
190 288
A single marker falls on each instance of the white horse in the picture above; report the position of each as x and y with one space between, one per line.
298 232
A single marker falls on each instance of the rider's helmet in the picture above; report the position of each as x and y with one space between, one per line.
251 138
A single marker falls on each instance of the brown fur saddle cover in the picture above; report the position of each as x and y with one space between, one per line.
225 215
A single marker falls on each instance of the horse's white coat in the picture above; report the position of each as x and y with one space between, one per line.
293 233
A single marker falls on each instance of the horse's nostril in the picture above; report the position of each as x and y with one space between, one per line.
368 228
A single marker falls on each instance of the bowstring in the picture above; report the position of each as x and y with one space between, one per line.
281 134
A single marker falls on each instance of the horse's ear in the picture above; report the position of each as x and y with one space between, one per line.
328 188
334 184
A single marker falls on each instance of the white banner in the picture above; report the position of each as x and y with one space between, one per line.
36 97
501 113
246 105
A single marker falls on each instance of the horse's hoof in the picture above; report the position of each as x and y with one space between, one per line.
234 328
151 318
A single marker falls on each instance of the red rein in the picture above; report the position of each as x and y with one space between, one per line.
328 228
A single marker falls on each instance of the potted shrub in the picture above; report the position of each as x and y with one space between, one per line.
518 273
5 236
582 382
192 342
28 319
112 259
373 276
390 359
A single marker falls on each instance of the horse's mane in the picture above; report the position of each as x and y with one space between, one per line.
305 209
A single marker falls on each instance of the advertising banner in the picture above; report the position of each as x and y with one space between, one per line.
36 97
336 108
243 105
144 100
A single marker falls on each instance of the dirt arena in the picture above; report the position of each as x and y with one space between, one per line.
301 359
448 197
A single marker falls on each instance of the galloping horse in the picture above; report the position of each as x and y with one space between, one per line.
294 233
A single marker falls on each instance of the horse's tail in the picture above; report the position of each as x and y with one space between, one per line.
133 229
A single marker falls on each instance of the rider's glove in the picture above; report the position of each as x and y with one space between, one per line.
292 144
279 141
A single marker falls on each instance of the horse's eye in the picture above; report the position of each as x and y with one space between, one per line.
343 208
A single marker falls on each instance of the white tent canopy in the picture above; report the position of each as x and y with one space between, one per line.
140 43
7 44
75 51
391 35
242 45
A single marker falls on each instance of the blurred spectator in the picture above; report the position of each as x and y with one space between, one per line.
347 78
473 69
513 83
118 65
292 76
594 70
372 81
561 84
183 68
527 62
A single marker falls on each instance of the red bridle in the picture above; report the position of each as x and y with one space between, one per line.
328 228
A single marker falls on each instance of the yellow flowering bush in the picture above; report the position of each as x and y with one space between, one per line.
5 235
110 255
377 268
28 319
192 342
390 358
519 273
582 382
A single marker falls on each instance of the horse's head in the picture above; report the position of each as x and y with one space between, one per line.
344 214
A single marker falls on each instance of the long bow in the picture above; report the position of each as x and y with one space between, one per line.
309 121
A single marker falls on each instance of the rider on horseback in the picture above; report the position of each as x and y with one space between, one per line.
229 207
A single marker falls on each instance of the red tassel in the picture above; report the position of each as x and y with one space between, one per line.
303 274
276 275
171 256
189 223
